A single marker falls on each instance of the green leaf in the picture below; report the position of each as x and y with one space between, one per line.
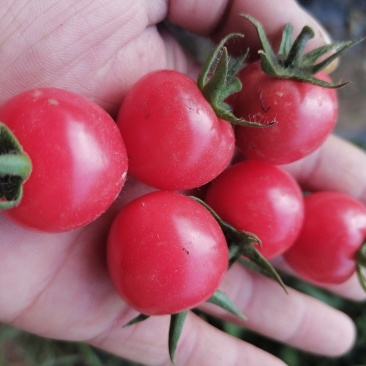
338 49
233 87
217 81
236 64
286 41
294 56
319 82
212 88
268 66
310 58
175 330
139 318
266 46
254 255
220 299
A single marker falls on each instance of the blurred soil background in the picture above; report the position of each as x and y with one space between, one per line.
344 19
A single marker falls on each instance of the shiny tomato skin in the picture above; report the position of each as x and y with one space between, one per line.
334 230
78 157
166 253
260 198
173 138
305 115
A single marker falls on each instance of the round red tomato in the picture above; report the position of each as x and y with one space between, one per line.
260 198
334 230
173 138
305 115
166 253
78 157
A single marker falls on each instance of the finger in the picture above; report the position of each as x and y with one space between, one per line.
221 16
64 292
199 344
350 289
95 48
176 57
294 318
337 165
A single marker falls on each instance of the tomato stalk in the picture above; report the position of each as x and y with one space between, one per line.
291 61
15 168
217 81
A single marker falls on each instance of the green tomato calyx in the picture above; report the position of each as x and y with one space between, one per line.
219 298
15 168
217 81
291 62
243 244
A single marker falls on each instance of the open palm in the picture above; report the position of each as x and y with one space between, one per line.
57 285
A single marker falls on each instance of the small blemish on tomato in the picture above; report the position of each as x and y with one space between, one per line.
53 101
37 93
265 108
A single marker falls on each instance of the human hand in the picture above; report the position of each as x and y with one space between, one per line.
56 285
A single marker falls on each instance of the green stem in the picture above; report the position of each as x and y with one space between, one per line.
16 165
15 168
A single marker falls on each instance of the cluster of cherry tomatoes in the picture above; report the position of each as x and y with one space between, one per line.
224 137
